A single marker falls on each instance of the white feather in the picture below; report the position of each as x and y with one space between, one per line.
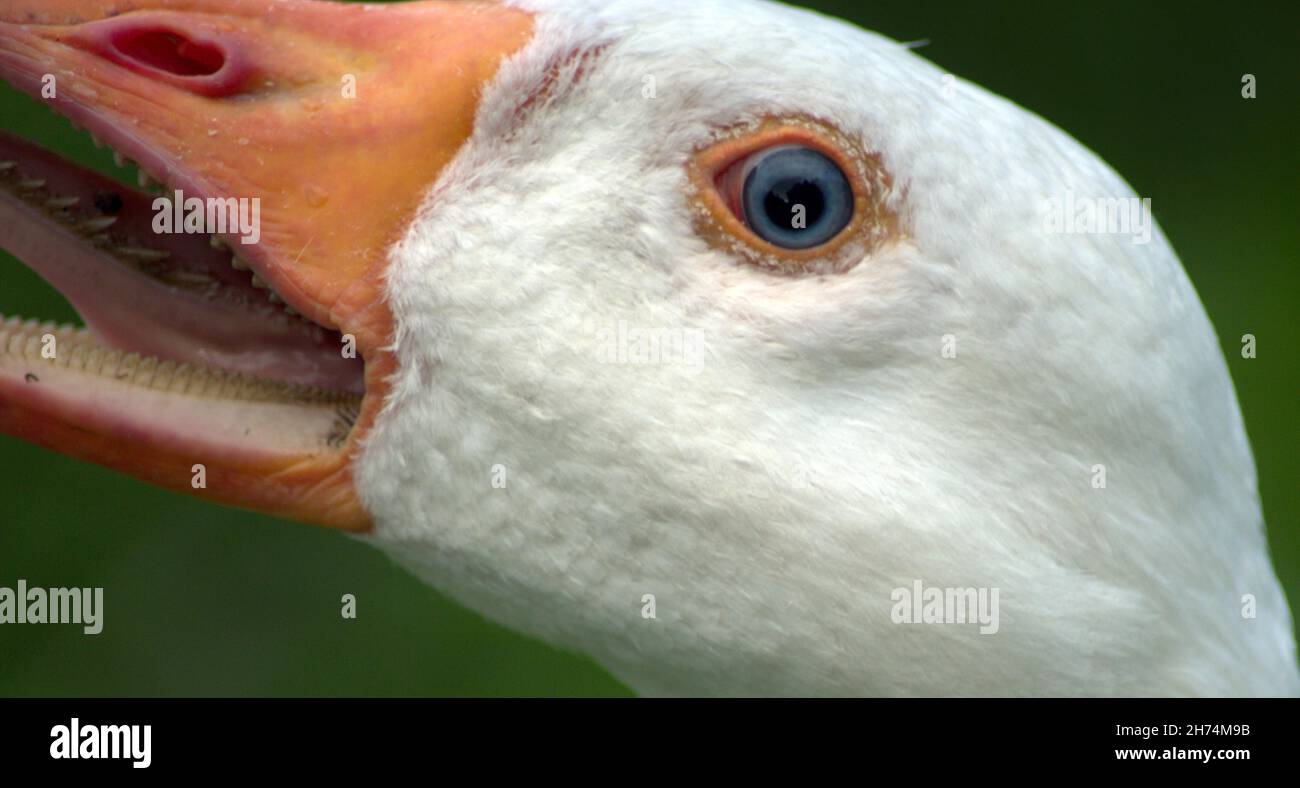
824 452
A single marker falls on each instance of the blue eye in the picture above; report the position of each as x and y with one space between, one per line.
796 198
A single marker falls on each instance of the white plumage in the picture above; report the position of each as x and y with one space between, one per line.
824 452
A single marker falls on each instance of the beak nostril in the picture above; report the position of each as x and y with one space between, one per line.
194 57
168 51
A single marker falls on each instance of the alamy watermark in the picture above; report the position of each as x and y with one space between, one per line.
179 214
920 604
628 344
93 742
25 605
1079 215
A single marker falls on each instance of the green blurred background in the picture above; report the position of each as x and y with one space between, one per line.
205 601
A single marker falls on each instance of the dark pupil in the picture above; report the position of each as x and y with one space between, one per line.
779 204
796 198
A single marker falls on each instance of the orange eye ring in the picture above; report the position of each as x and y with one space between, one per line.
712 177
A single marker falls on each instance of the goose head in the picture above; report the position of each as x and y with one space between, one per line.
614 395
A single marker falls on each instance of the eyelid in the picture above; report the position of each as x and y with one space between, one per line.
718 221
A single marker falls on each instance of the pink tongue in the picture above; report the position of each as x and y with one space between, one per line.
189 305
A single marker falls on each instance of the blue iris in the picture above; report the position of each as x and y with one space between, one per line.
796 198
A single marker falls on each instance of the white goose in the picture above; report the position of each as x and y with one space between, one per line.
914 384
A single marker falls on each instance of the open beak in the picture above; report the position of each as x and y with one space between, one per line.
236 328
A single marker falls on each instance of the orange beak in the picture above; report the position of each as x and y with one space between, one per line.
335 119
